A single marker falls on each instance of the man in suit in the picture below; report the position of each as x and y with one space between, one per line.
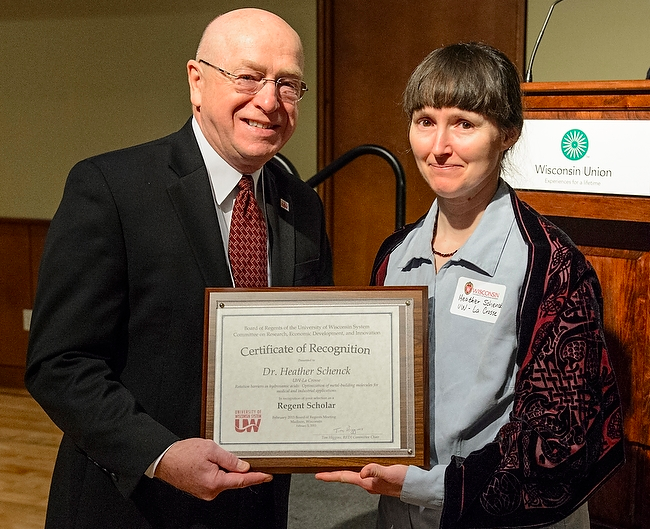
116 344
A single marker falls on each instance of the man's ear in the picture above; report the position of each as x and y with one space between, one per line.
195 80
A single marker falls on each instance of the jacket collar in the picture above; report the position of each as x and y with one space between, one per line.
192 200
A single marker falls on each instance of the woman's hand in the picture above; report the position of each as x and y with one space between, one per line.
374 478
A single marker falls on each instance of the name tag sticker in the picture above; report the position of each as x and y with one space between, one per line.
478 300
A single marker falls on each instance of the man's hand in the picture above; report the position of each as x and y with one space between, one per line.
204 469
376 479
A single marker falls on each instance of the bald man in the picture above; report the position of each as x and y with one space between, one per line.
116 343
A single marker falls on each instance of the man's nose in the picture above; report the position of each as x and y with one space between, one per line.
267 98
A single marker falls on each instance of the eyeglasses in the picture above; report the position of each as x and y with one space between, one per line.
288 90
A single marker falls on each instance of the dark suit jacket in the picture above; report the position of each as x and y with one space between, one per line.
115 353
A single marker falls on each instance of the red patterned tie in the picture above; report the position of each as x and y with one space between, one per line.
247 239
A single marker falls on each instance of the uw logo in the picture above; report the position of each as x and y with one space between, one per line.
247 425
469 286
575 144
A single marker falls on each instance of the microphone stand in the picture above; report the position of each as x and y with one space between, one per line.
529 73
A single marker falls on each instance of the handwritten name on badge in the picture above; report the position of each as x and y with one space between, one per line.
478 300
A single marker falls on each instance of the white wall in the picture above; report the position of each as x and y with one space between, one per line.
80 77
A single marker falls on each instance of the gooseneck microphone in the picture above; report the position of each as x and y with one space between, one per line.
529 73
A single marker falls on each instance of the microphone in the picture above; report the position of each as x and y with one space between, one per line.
529 73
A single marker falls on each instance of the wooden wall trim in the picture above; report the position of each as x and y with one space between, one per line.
325 115
21 247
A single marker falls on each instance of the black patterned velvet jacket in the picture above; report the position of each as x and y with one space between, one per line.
565 436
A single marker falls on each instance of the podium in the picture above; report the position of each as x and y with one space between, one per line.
613 231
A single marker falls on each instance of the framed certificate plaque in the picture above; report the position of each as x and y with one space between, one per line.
313 379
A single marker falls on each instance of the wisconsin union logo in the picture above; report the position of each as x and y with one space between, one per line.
575 144
247 420
469 286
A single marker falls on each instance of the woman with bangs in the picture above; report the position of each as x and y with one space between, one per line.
525 417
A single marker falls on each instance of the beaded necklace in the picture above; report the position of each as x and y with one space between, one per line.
436 252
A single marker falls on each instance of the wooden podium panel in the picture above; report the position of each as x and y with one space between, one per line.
614 233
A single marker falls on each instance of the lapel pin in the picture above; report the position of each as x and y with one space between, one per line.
284 204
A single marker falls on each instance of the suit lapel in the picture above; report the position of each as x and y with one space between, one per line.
280 218
192 200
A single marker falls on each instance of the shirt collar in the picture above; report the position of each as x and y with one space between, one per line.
223 176
484 247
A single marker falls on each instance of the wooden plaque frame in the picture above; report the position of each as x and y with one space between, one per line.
411 444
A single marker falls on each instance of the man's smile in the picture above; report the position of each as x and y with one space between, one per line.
258 125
